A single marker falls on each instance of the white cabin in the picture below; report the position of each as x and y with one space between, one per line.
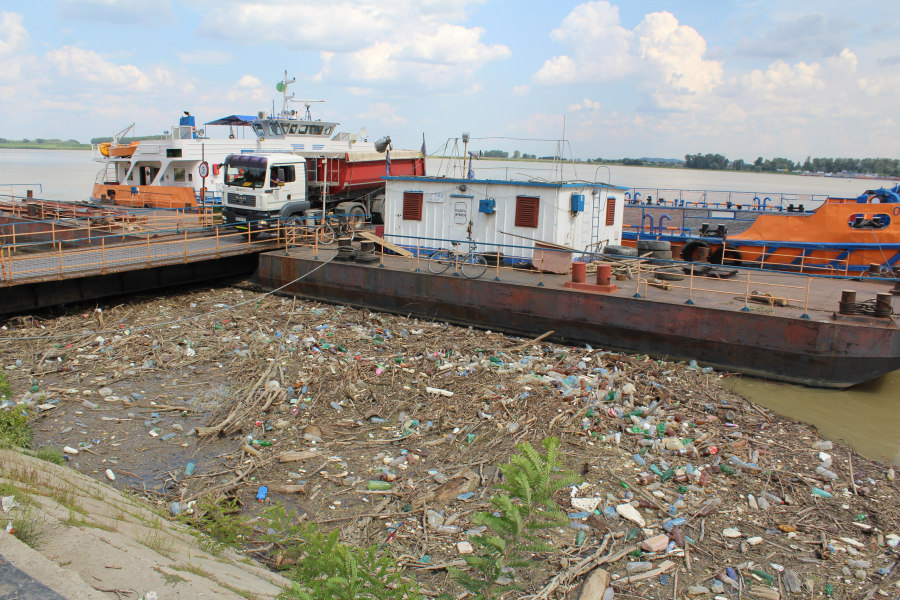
432 212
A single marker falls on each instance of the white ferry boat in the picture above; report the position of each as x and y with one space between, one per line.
166 173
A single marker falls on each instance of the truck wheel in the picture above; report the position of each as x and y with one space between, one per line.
357 217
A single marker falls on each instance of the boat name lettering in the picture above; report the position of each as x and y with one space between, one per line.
434 197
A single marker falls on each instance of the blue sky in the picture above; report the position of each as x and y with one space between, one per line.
641 78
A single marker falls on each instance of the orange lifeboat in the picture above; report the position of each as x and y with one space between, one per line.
120 151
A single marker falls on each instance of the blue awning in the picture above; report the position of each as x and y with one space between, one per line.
239 120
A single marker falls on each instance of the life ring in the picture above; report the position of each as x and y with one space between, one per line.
104 149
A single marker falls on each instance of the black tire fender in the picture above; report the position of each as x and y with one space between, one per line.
687 251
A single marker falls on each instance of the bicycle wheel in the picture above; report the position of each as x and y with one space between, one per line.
473 266
440 261
326 234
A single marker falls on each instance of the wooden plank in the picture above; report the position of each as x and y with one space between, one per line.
368 235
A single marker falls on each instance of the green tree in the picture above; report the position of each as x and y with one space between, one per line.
516 154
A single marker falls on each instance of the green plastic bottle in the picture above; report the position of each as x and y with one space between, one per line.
376 485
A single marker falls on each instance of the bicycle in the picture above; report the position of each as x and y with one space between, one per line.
471 264
336 227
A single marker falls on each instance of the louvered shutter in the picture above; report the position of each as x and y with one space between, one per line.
527 211
412 206
610 211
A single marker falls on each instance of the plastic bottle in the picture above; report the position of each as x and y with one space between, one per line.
447 529
375 485
189 469
639 460
822 445
826 473
261 494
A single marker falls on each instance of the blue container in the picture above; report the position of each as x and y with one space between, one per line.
577 202
488 206
261 494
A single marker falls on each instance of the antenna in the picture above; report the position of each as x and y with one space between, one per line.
306 103
282 86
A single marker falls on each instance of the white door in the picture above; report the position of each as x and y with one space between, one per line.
459 228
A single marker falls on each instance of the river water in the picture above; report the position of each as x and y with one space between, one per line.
865 417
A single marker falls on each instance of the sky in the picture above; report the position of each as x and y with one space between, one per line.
743 78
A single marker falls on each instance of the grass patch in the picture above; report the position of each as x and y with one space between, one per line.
171 578
195 570
14 429
161 544
29 527
51 455
74 520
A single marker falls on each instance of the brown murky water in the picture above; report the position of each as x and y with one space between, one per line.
865 417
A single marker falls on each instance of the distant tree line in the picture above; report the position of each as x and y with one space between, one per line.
878 166
54 141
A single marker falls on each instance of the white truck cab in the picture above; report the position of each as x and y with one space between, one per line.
260 187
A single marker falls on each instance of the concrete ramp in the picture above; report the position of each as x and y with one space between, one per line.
97 541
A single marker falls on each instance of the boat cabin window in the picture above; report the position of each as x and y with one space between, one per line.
314 130
275 128
281 174
258 129
293 129
328 130
869 221
179 174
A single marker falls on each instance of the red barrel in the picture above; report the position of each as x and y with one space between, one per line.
604 274
579 272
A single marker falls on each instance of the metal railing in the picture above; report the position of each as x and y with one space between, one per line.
770 201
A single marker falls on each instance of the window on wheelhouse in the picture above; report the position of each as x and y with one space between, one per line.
274 128
293 129
258 129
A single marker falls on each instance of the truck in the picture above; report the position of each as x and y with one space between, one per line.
262 189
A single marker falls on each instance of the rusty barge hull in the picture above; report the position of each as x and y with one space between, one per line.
820 353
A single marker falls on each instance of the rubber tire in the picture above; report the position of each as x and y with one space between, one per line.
669 275
664 254
614 250
644 245
688 250
357 216
733 257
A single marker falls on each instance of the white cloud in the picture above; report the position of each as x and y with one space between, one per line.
204 57
87 65
521 90
13 35
586 105
249 81
375 41
358 91
384 113
675 55
601 47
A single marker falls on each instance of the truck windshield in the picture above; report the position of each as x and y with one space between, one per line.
247 177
